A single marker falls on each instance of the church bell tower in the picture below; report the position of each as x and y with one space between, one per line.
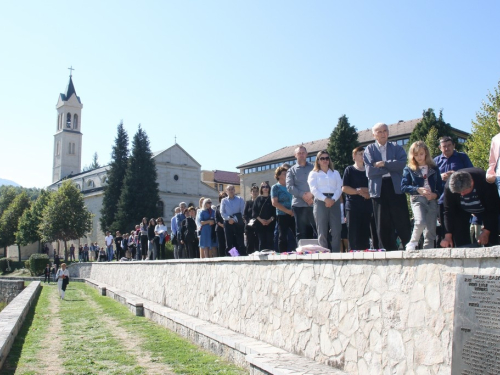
68 137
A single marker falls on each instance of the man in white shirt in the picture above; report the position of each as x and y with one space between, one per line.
109 246
384 163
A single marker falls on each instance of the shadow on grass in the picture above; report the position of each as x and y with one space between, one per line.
12 360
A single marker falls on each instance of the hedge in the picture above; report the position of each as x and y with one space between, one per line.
38 262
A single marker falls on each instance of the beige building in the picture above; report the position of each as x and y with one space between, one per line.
262 169
219 180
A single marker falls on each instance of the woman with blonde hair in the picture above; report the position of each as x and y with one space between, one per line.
326 186
422 181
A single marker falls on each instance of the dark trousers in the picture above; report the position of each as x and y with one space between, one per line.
46 278
285 224
252 239
265 235
221 242
358 227
160 249
305 225
234 236
391 215
191 248
144 244
461 231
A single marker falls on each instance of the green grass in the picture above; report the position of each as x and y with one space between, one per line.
183 356
95 338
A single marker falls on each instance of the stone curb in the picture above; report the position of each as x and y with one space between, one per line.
12 317
257 356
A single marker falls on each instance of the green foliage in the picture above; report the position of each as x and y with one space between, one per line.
10 219
429 121
28 228
483 129
65 217
7 195
432 142
33 193
27 264
94 165
134 204
169 248
38 263
343 140
116 174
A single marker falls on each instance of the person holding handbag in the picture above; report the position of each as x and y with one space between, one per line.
62 277
264 214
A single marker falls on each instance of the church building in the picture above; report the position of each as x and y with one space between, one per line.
178 173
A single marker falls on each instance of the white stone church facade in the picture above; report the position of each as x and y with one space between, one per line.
179 174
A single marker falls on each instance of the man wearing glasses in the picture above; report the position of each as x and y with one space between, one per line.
384 164
232 209
302 201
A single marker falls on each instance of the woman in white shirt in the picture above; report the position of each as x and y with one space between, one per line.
62 277
326 186
160 231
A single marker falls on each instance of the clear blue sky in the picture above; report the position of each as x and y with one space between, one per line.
235 80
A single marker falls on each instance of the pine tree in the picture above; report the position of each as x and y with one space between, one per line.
429 120
140 193
432 142
483 129
116 175
65 217
343 140
94 165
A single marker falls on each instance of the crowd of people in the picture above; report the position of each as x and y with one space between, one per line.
453 205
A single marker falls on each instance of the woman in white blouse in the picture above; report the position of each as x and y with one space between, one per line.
62 277
326 186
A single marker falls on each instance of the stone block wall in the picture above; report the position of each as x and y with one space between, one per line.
365 313
10 289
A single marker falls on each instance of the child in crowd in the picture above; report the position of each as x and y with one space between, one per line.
422 180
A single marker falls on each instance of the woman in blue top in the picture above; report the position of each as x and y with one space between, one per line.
208 244
282 200
422 180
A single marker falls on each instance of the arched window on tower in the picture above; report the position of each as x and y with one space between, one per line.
68 120
160 207
69 150
75 121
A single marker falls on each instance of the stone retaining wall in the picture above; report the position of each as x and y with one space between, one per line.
12 317
364 313
10 289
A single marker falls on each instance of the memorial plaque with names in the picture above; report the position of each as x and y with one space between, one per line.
476 327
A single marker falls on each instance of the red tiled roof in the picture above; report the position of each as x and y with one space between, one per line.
226 177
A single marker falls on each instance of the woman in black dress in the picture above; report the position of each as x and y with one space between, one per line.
264 214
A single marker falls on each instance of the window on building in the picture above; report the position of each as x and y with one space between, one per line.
75 121
221 187
58 148
90 184
78 187
68 120
461 140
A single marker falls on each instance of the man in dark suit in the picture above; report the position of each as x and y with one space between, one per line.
46 274
384 163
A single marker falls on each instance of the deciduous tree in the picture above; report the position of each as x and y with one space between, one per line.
10 220
65 217
483 129
28 228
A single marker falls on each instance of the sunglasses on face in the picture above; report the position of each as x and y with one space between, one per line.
323 158
265 187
